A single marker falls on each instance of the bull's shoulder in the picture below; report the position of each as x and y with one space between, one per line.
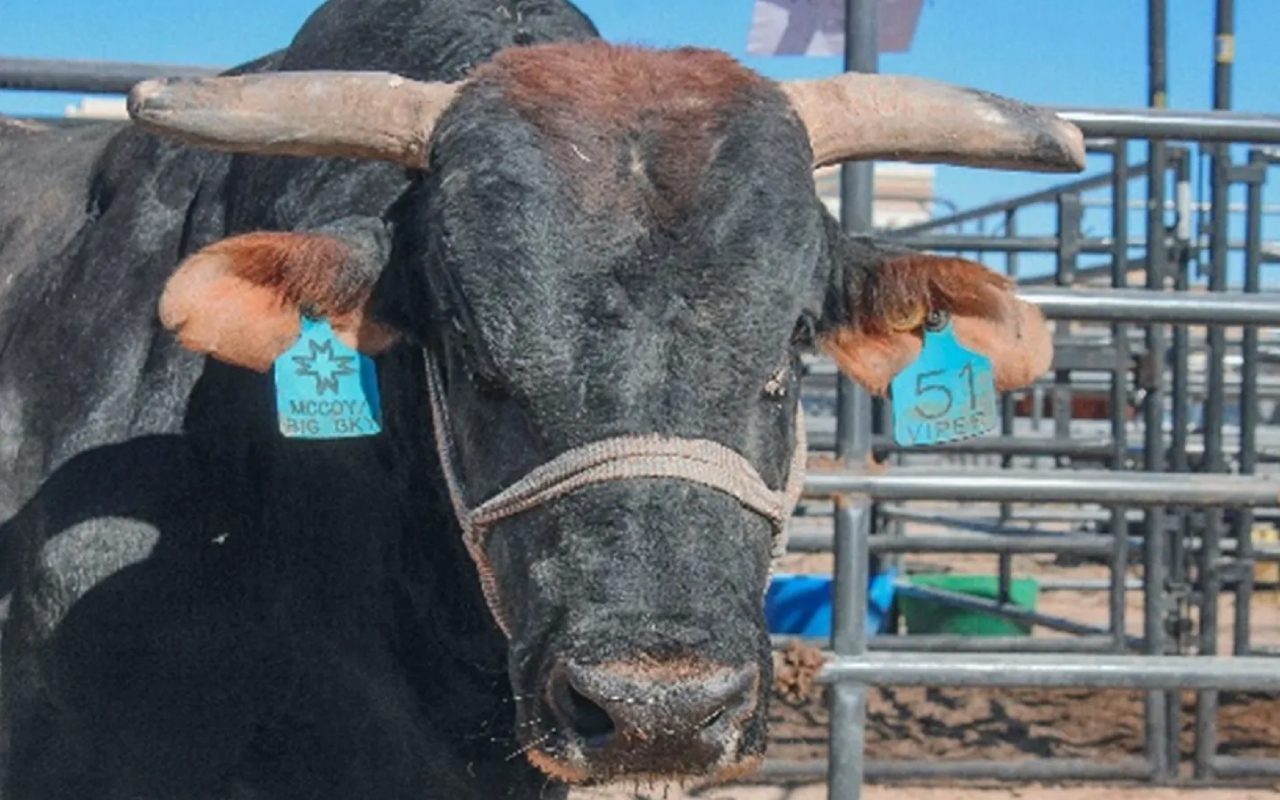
45 175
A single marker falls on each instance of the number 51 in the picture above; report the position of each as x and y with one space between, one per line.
944 389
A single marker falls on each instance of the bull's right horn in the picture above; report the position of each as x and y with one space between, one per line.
855 117
373 115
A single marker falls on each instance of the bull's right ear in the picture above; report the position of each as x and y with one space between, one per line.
241 300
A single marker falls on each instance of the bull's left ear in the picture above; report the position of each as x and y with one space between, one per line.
241 300
874 327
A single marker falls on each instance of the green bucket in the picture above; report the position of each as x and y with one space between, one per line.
929 616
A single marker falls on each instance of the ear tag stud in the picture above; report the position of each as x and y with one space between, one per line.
325 389
947 395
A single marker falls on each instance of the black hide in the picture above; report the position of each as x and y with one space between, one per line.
199 609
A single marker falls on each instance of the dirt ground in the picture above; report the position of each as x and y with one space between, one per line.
1009 724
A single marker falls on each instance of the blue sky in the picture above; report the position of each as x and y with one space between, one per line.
1059 52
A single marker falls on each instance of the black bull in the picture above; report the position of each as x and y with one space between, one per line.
604 243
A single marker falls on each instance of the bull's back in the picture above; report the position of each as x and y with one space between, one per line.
44 184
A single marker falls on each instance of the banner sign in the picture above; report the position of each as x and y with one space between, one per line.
816 27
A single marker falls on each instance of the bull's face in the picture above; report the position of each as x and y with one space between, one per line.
615 269
614 245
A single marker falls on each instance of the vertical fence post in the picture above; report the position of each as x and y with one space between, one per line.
1008 399
1154 564
1070 218
1249 402
853 447
1206 743
1119 390
1213 460
1179 524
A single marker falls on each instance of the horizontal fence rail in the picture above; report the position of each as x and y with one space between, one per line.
1038 486
1141 305
1067 769
105 77
1087 545
1012 670
1200 126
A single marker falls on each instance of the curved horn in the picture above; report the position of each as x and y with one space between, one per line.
373 115
856 116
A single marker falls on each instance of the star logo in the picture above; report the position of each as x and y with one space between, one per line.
325 366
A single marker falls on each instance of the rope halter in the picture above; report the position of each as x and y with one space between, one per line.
700 461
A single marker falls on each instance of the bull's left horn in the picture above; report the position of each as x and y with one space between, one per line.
854 117
373 115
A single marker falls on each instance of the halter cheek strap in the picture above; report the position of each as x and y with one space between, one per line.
699 461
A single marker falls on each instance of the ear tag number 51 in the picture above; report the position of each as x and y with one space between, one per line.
947 395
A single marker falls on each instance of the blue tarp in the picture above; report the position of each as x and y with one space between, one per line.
801 604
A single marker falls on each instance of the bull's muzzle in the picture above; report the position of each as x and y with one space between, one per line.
649 718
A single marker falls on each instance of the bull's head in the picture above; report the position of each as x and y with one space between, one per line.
612 245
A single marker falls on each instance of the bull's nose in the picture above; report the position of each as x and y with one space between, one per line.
656 705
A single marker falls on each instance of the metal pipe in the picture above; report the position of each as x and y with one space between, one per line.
1070 217
1249 412
1144 305
854 411
107 77
946 643
1030 670
1005 206
1021 244
1000 609
1224 55
1206 731
1066 769
978 243
1031 517
1154 572
1180 396
1073 545
849 639
1087 585
1076 486
980 526
1008 407
1162 125
1118 564
1230 767
1009 446
818 542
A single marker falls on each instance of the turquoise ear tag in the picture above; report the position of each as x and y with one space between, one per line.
947 395
325 389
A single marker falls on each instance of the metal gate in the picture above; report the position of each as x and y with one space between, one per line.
1186 524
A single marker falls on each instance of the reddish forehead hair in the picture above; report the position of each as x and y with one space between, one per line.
626 119
615 85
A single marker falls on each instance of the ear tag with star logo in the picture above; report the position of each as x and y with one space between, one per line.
947 395
325 389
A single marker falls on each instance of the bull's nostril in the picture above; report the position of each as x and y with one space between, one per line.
650 707
577 711
589 720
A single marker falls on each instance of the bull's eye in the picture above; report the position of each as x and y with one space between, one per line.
474 360
485 384
776 387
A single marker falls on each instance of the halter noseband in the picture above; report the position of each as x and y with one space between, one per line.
618 458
